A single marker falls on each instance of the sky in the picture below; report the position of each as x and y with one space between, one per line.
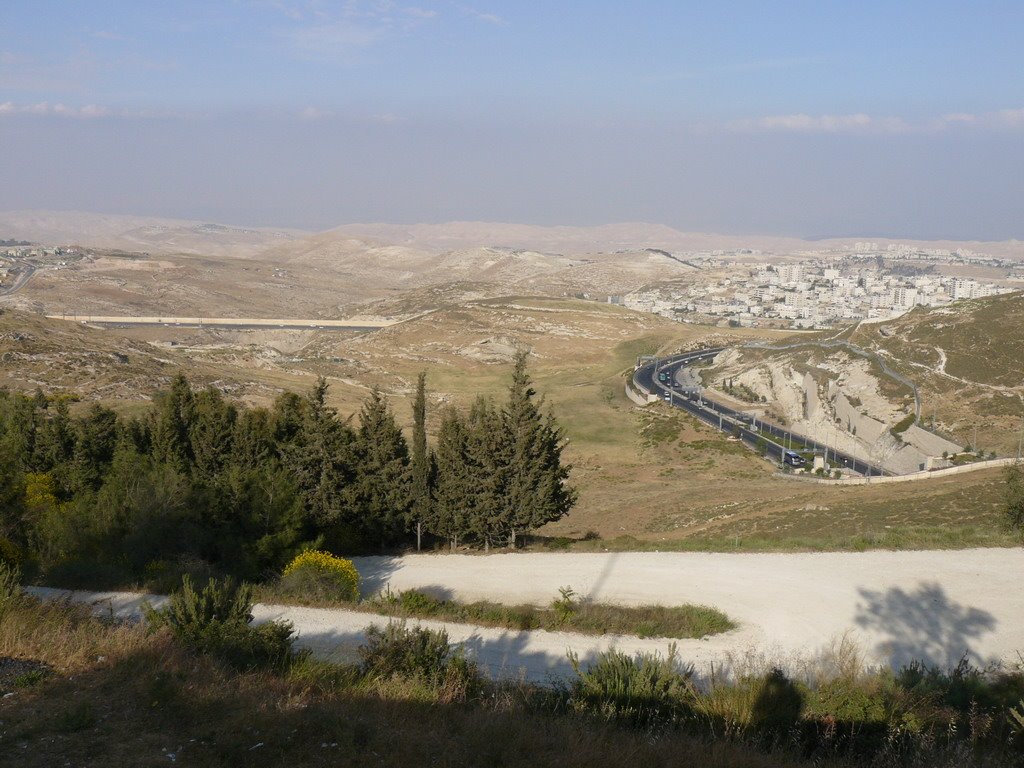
823 118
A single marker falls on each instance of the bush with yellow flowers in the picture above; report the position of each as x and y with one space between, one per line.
315 575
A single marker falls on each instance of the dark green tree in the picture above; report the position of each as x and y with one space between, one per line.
380 495
535 489
173 422
488 465
454 495
54 437
319 455
96 439
422 461
210 432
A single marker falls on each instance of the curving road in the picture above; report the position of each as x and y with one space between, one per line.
936 607
757 434
24 275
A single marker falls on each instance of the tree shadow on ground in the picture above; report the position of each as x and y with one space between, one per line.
923 625
375 572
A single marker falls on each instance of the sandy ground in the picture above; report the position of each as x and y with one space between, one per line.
897 606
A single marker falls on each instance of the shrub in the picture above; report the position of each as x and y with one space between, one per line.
10 555
321 575
640 689
418 603
566 604
1013 496
10 587
417 653
217 621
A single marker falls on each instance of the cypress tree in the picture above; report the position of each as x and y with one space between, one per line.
453 495
421 460
173 423
319 454
211 432
252 441
380 495
55 438
535 490
488 466
95 443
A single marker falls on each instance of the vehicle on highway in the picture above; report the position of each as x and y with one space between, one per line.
793 459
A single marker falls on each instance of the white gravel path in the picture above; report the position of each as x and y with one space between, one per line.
898 606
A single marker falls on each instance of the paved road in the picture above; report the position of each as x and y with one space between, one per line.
772 437
27 270
896 606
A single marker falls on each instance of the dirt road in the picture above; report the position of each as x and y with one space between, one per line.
934 606
898 606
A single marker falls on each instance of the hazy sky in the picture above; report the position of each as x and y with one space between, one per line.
808 118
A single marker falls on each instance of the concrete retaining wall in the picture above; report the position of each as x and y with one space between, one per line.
976 466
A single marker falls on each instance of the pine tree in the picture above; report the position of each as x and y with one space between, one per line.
488 464
95 441
453 494
319 454
211 432
535 490
381 494
422 460
173 422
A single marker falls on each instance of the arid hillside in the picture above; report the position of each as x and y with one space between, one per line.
959 368
648 477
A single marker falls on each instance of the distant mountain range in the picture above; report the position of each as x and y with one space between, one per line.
166 236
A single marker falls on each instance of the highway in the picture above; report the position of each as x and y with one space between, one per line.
24 275
757 434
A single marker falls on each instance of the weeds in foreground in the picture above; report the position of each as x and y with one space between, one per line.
126 697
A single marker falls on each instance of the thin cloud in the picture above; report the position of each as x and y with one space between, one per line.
324 33
486 18
88 111
862 123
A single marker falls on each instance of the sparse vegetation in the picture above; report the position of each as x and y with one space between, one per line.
1013 495
567 613
218 621
120 695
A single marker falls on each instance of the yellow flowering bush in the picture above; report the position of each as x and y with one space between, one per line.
320 575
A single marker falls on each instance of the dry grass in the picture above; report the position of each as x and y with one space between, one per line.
652 474
118 697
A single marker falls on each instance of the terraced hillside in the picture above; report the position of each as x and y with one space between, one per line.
960 369
968 362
